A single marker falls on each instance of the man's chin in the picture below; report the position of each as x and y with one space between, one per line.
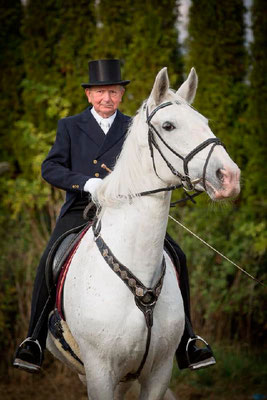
106 111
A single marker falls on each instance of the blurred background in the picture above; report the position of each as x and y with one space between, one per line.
44 49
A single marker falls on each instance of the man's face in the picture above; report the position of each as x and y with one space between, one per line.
105 99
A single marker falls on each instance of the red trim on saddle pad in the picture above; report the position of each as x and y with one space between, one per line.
63 274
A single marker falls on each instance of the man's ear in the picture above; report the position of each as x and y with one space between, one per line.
88 94
122 92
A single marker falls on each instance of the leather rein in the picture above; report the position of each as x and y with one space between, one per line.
146 298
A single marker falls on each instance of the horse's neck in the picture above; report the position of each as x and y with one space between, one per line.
135 234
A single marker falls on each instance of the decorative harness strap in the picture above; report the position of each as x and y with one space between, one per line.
145 298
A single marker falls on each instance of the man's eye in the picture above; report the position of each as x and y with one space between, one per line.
168 126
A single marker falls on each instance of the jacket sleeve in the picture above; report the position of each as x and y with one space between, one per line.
56 168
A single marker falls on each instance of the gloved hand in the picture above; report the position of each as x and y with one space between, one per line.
91 185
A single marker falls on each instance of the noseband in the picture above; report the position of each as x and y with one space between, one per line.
185 179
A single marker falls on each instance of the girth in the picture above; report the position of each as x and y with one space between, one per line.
145 298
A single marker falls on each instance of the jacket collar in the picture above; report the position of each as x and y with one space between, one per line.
89 125
118 129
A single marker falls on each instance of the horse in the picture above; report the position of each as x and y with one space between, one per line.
168 144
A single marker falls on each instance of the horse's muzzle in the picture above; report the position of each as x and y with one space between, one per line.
227 184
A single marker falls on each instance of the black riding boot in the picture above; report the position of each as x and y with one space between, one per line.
188 354
29 354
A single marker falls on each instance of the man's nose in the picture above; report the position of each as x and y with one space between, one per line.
106 96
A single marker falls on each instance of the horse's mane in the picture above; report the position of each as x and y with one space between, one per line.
124 180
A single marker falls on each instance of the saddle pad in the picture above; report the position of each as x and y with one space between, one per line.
65 342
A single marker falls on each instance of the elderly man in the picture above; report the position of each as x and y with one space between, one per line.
83 143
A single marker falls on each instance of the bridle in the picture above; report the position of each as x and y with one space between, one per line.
186 182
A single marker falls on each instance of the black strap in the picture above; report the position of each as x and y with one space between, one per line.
145 298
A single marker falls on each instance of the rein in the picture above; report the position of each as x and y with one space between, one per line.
165 189
145 298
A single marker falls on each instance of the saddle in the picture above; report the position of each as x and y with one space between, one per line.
60 252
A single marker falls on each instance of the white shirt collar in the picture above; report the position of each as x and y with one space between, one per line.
99 118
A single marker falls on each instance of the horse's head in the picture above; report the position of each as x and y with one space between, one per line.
182 146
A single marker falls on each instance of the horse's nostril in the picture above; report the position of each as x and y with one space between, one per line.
219 174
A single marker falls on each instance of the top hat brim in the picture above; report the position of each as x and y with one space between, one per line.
104 83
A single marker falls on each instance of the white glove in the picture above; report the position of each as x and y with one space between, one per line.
92 185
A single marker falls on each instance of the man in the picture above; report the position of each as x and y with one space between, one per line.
83 143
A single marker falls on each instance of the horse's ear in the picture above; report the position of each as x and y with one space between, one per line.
188 89
160 87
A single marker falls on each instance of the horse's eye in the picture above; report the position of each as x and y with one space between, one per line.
168 126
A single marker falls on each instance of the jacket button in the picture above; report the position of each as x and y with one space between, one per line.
96 174
95 161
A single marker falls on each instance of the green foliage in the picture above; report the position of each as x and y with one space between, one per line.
256 118
11 72
30 147
225 302
144 37
238 374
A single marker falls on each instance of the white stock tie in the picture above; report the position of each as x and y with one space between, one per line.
105 125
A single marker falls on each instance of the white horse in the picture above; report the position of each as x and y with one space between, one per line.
168 143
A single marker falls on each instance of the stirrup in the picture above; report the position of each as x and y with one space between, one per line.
27 365
202 363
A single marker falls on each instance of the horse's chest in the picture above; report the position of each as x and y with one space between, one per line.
100 305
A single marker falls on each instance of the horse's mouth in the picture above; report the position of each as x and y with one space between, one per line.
223 192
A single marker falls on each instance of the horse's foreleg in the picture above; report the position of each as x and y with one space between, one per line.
155 386
169 395
100 383
122 389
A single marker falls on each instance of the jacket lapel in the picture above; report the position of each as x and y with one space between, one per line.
117 130
90 127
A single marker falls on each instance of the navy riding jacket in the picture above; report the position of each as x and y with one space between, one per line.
78 152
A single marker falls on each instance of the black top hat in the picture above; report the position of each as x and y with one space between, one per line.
104 72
